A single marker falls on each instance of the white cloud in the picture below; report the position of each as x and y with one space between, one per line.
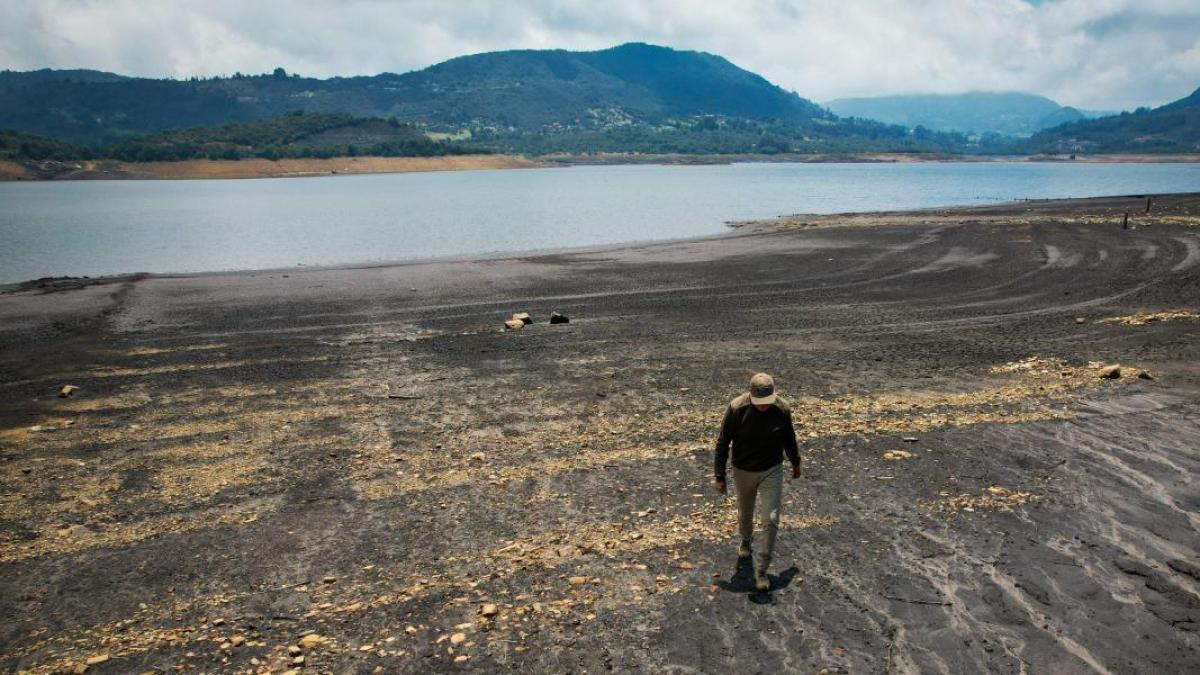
1089 53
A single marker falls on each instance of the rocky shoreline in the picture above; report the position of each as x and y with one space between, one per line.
363 470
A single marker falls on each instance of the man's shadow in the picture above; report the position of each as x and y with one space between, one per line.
742 581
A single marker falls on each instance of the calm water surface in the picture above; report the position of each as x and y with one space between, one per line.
110 227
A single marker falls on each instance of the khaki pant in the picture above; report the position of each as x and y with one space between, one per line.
767 486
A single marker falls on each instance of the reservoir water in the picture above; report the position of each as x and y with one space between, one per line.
92 228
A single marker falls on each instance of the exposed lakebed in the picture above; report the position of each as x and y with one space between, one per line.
329 466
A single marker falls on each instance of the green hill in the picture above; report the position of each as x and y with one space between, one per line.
21 145
1174 127
296 134
13 78
525 91
546 90
1004 113
631 98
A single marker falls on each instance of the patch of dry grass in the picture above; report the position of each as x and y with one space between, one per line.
994 498
1143 319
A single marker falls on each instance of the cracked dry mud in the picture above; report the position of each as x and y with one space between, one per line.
328 471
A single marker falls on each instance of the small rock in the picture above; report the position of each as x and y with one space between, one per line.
489 610
514 324
1080 320
298 660
67 390
1110 372
523 317
577 581
310 641
73 531
237 640
293 650
894 455
555 318
909 439
1144 375
479 457
97 659
458 638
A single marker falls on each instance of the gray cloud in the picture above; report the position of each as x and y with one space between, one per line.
1089 53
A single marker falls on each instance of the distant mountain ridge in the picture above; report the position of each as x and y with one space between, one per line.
521 90
1174 127
19 78
1003 113
644 82
634 98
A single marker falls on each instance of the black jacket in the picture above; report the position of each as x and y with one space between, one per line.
759 439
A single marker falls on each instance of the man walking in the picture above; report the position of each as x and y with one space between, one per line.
758 424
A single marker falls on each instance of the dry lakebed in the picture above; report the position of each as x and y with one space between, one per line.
361 470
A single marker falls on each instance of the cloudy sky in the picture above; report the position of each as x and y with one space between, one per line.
1100 54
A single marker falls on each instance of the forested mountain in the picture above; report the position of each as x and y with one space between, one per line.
533 90
296 134
24 78
1174 127
631 98
1005 113
518 91
22 145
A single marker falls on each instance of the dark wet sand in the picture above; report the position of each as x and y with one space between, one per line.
232 473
